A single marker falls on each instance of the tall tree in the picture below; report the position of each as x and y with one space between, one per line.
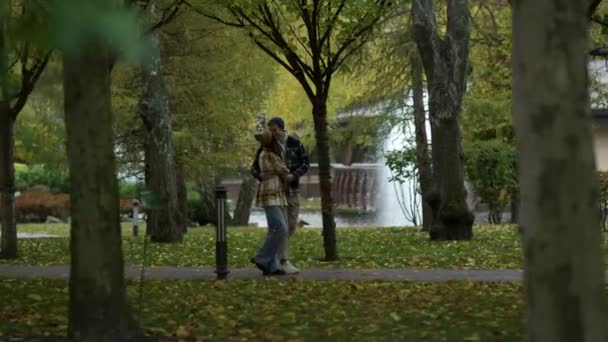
311 40
32 61
98 310
163 223
564 272
446 65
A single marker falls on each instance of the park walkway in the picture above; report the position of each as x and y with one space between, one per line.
320 274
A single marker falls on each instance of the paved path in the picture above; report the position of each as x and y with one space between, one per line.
133 272
322 274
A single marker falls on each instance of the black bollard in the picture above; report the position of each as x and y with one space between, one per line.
221 246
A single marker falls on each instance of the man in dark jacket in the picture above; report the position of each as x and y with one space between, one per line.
296 159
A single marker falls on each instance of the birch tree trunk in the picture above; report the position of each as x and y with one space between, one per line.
164 218
422 147
564 271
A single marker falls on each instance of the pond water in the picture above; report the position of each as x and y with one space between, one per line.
313 218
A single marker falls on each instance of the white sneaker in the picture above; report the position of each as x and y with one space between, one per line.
289 268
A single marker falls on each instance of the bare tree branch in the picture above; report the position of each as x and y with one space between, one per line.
168 15
213 17
332 22
427 38
593 5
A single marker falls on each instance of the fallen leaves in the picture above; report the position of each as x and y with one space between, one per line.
288 310
492 247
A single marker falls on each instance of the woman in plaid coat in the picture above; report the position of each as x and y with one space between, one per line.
274 175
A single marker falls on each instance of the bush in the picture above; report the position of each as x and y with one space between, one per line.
130 189
491 167
39 175
37 206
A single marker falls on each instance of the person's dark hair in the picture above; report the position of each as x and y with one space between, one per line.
274 146
278 122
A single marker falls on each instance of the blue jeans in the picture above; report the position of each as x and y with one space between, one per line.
277 233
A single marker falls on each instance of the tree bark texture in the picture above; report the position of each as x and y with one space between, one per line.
564 269
445 63
208 212
245 201
422 148
164 217
98 310
327 206
8 245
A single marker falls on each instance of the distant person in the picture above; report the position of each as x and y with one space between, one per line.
296 159
271 196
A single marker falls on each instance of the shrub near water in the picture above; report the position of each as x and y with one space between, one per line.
36 206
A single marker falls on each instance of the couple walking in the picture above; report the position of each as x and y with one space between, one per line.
279 163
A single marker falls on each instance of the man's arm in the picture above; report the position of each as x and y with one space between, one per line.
304 163
255 168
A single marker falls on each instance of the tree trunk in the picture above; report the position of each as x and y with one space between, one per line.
208 213
245 201
319 113
422 150
8 243
182 198
514 207
163 222
8 246
564 272
446 65
98 310
452 219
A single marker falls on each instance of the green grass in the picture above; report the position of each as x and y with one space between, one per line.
492 247
275 310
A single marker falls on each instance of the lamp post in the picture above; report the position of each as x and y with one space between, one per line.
221 246
135 217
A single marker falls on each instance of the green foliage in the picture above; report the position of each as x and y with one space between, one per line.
287 100
39 175
271 310
130 189
487 104
493 247
491 168
215 95
360 132
40 137
402 163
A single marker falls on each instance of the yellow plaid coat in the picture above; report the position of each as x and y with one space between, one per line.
272 187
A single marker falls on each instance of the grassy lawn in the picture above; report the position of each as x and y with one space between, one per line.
274 310
492 247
